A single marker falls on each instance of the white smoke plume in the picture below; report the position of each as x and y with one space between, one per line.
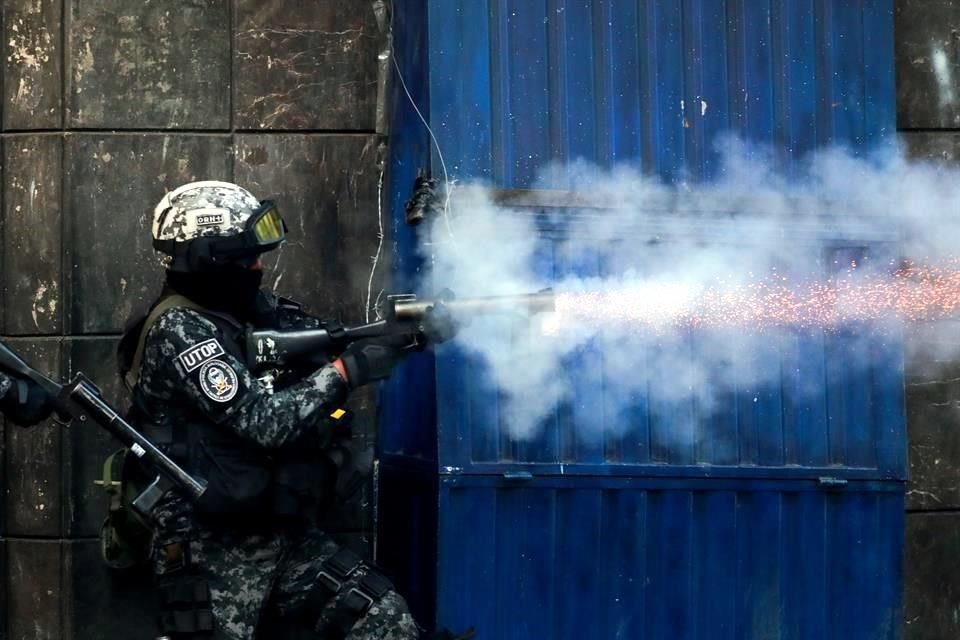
641 253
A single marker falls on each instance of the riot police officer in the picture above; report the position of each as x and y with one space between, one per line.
252 552
23 401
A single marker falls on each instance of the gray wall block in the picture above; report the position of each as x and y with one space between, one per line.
32 275
932 582
162 64
312 65
928 64
32 64
932 146
933 418
35 596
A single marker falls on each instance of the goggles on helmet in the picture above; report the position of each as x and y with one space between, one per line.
267 224
263 231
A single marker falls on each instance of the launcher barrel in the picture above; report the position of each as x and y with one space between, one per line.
411 309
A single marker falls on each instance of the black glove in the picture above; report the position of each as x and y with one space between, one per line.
438 324
26 403
368 360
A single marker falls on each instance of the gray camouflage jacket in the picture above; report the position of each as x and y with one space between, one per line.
187 371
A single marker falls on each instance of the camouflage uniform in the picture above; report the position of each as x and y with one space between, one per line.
271 572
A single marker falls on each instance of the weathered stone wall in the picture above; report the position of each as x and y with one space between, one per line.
106 105
928 116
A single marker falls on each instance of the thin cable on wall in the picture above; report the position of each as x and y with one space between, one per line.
370 304
376 257
447 183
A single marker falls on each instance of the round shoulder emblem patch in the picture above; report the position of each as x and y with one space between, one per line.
218 381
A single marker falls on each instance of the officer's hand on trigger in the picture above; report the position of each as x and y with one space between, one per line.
438 324
366 361
26 403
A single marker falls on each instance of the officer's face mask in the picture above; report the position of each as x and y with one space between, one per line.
231 289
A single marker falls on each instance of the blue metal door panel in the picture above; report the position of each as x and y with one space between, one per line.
621 143
517 84
797 122
629 558
460 34
773 428
732 527
707 84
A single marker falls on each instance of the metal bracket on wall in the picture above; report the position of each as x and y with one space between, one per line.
831 483
518 475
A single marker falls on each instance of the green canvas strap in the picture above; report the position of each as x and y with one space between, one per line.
170 302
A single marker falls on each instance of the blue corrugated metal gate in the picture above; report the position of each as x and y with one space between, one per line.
779 517
517 83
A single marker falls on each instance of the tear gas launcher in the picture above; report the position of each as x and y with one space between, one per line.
82 401
421 321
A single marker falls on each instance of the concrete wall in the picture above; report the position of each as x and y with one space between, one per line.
928 116
106 105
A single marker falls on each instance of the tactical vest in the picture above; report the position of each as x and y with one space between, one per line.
246 485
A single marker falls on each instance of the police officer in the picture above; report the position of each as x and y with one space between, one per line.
249 559
23 401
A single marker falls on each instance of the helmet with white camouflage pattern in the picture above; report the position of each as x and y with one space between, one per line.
209 224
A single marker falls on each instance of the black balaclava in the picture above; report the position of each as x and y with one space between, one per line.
227 289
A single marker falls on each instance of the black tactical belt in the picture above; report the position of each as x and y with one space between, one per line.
355 602
336 569
185 608
184 592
